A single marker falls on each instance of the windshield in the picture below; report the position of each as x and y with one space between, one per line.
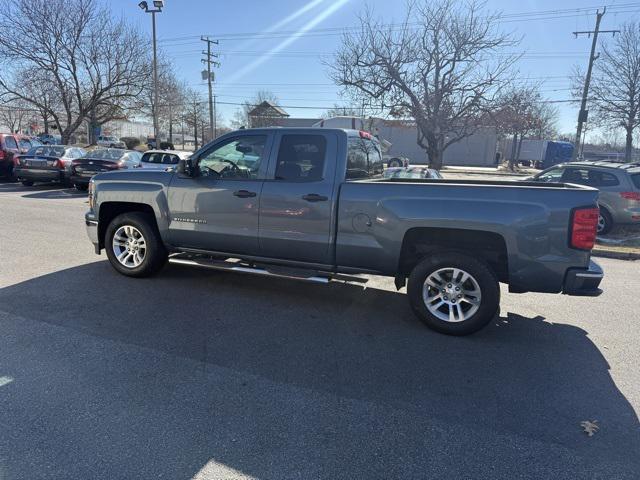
160 158
24 143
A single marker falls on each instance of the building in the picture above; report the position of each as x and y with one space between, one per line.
266 114
478 150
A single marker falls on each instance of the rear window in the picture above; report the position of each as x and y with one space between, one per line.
47 151
10 142
635 178
106 154
159 158
364 159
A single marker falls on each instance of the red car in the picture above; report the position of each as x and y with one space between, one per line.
9 148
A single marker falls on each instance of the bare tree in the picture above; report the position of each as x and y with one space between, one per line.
615 85
338 111
14 114
95 65
195 114
522 112
443 66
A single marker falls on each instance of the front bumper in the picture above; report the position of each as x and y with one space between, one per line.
91 222
584 281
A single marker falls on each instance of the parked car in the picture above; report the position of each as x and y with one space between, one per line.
619 185
47 163
411 172
48 139
162 159
110 142
25 143
102 160
315 208
8 150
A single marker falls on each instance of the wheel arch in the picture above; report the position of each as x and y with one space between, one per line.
110 210
489 246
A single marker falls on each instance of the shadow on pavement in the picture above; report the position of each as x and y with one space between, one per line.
381 380
41 190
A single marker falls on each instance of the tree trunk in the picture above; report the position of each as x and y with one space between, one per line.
514 146
519 149
628 148
195 132
45 120
435 158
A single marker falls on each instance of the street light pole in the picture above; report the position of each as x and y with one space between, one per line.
158 4
155 82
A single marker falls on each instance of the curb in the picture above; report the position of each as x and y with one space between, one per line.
616 254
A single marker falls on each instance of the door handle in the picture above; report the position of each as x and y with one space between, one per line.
314 197
244 194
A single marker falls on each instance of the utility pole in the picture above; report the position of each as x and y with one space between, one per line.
209 61
582 115
158 6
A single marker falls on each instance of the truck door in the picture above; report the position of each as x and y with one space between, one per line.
298 198
217 208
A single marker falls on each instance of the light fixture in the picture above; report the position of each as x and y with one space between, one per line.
143 5
158 3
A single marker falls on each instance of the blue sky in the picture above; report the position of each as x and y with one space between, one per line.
294 71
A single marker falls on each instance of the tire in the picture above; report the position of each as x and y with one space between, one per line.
136 260
462 299
605 222
27 183
11 177
81 187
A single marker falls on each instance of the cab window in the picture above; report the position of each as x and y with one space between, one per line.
237 158
301 158
364 159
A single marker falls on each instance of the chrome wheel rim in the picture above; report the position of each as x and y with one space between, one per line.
452 295
129 246
601 222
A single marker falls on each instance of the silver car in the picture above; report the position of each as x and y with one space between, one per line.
411 172
163 159
619 185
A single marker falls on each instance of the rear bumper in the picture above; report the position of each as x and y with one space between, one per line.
80 180
584 281
38 175
91 223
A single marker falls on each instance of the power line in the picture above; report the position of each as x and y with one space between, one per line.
505 18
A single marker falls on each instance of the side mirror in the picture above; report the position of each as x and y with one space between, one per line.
186 168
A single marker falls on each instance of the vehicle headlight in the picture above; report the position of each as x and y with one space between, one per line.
92 194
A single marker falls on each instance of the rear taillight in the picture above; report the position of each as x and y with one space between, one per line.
631 196
584 227
2 154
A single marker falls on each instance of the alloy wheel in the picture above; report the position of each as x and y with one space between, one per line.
451 294
129 246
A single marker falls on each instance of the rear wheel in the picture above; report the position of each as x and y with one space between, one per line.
83 187
27 183
605 222
10 174
133 245
453 293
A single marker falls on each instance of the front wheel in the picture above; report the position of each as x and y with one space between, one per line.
27 183
133 245
81 187
453 293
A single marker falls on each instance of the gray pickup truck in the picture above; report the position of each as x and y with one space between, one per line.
311 204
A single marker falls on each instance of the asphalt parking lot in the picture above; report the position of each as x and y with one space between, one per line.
197 374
